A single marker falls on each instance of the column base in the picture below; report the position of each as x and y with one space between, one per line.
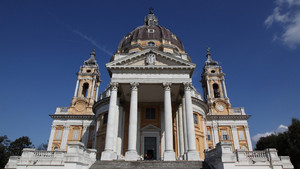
169 156
108 155
192 156
131 156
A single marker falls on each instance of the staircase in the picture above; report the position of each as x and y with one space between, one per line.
147 164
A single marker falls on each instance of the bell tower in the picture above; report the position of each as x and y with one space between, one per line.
87 86
214 89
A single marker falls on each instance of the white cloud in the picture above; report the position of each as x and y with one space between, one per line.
281 128
92 41
287 15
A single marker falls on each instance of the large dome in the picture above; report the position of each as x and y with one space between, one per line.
150 35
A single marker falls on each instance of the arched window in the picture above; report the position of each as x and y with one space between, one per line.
85 89
216 90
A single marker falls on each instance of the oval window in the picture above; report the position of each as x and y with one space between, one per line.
151 44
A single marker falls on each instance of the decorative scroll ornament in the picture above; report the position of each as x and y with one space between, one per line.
134 85
150 59
114 85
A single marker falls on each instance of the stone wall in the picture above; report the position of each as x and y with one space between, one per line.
222 157
75 157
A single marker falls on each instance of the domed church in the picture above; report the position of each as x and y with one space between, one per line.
151 110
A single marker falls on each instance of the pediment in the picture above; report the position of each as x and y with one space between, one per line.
150 127
150 58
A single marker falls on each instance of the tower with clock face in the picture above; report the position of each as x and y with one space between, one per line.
213 83
224 123
75 123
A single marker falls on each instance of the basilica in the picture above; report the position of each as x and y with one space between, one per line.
150 114
151 110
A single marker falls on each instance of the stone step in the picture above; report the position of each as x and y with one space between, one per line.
147 164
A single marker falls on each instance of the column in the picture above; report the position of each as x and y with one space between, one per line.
235 137
181 137
169 154
64 140
76 89
120 131
53 127
96 97
224 87
184 128
97 123
192 154
208 89
216 135
108 154
116 125
205 134
248 137
131 154
92 94
85 135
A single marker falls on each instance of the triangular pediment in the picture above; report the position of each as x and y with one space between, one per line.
150 127
150 58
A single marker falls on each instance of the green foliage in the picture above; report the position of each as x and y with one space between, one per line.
15 148
4 155
287 143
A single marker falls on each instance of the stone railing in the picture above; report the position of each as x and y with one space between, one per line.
222 157
61 110
77 156
48 154
238 110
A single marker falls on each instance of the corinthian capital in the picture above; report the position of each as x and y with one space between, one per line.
167 85
134 85
187 85
114 85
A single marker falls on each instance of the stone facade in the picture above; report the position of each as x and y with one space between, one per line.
149 111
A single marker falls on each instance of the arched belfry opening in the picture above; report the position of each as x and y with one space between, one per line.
85 89
216 90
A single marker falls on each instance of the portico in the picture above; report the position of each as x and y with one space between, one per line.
143 97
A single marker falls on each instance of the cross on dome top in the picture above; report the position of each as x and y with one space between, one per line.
151 19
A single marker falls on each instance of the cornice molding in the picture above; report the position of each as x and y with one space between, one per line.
72 116
101 103
228 117
200 103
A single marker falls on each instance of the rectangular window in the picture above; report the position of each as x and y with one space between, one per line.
208 135
225 136
150 113
195 118
58 135
75 134
241 135
105 118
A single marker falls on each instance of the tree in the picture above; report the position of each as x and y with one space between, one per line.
4 155
287 143
15 148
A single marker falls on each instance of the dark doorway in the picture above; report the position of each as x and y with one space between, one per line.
150 148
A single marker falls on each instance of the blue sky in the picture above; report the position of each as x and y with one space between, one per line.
43 44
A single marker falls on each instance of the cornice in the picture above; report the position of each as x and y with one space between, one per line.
200 103
100 103
72 116
228 117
